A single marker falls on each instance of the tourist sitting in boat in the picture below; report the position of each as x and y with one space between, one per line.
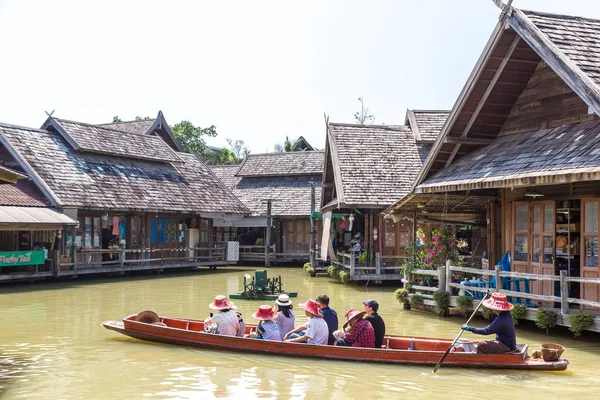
267 329
226 319
371 308
286 318
315 331
359 332
502 326
329 315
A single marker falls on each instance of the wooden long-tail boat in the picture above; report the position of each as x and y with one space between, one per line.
397 349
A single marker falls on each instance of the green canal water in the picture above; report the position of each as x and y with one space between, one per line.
52 346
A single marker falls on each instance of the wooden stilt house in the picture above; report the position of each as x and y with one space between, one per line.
139 201
368 168
284 180
524 137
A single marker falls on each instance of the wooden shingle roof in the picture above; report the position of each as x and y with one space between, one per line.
521 43
140 127
24 193
541 157
226 173
576 37
283 164
156 127
290 194
373 166
71 178
97 139
426 124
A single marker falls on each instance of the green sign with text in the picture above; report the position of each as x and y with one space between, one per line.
16 258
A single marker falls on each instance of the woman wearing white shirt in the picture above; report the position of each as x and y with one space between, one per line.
226 319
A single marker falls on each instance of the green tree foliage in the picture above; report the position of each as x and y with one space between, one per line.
117 119
287 146
191 138
138 118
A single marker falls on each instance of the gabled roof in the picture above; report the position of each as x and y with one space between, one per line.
295 163
23 193
157 127
97 139
290 194
370 165
140 127
302 144
95 180
426 124
570 46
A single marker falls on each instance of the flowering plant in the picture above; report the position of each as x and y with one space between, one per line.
440 245
435 245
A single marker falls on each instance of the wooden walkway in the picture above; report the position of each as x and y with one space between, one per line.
88 262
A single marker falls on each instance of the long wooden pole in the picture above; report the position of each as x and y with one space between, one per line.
439 364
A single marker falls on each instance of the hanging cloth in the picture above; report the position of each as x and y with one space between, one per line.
115 230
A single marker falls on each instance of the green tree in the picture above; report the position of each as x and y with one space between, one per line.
191 138
138 118
287 146
117 119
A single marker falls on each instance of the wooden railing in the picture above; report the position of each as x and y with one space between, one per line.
121 260
358 271
444 279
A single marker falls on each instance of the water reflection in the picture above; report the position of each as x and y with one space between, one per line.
52 346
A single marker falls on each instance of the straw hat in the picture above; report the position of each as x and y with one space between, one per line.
312 307
265 313
222 303
283 300
352 314
498 302
147 317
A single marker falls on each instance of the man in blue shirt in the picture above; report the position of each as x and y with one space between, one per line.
329 315
502 326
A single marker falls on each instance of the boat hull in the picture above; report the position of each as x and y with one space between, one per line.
190 333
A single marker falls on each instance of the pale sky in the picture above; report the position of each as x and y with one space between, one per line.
257 70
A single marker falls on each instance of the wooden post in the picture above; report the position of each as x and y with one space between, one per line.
75 263
377 263
311 247
498 279
162 256
414 235
122 262
564 293
268 235
56 270
441 278
448 276
352 265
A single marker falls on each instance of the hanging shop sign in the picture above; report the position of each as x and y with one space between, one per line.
16 258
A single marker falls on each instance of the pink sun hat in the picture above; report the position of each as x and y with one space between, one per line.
222 303
498 302
312 307
265 313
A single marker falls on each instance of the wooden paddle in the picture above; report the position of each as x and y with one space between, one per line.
439 364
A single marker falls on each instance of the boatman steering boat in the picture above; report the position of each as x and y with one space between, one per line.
502 326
